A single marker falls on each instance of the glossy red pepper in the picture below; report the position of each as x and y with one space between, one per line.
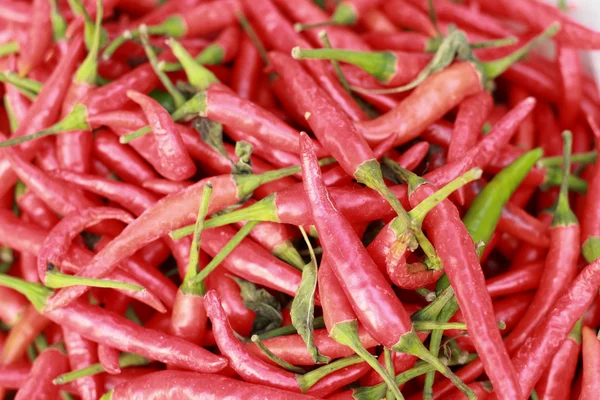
517 280
81 353
38 385
591 364
589 224
33 52
246 70
406 15
525 137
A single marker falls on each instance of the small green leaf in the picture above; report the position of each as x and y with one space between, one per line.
266 307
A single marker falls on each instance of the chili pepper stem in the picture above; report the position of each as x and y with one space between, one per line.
59 25
76 120
21 83
9 48
225 251
346 333
200 77
211 55
247 27
198 289
282 363
125 360
288 253
88 70
586 158
411 344
308 380
380 64
55 280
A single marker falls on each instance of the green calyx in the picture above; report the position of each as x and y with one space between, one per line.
563 215
344 14
200 77
59 25
36 293
591 249
288 253
346 333
379 64
87 72
9 48
89 25
192 271
76 120
211 55
55 279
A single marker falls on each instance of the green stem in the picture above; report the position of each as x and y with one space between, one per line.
247 27
41 343
225 251
211 55
12 119
164 79
88 70
192 270
378 391
36 293
282 363
411 344
586 158
346 333
336 65
379 64
76 120
298 27
59 24
9 48
494 69
389 367
25 83
428 295
494 43
125 360
200 77
309 379
318 323
563 215
431 325
55 280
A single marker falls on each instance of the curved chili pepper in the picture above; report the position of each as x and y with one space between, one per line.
165 186
281 36
37 210
157 385
393 328
375 21
591 364
119 332
562 368
44 110
49 364
156 222
240 317
516 280
122 160
538 15
174 159
570 68
406 15
82 353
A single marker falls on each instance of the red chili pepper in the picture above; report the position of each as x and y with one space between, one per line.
174 160
538 15
33 52
468 283
158 385
247 69
38 385
165 186
472 114
591 364
15 11
109 356
279 34
12 376
13 304
22 334
517 280
570 68
560 266
44 110
407 16
240 317
536 352
121 159
508 310
37 210
555 382
525 137
82 353
401 41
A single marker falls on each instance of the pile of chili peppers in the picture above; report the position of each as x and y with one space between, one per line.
273 199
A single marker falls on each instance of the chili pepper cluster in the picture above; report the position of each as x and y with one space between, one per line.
271 199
